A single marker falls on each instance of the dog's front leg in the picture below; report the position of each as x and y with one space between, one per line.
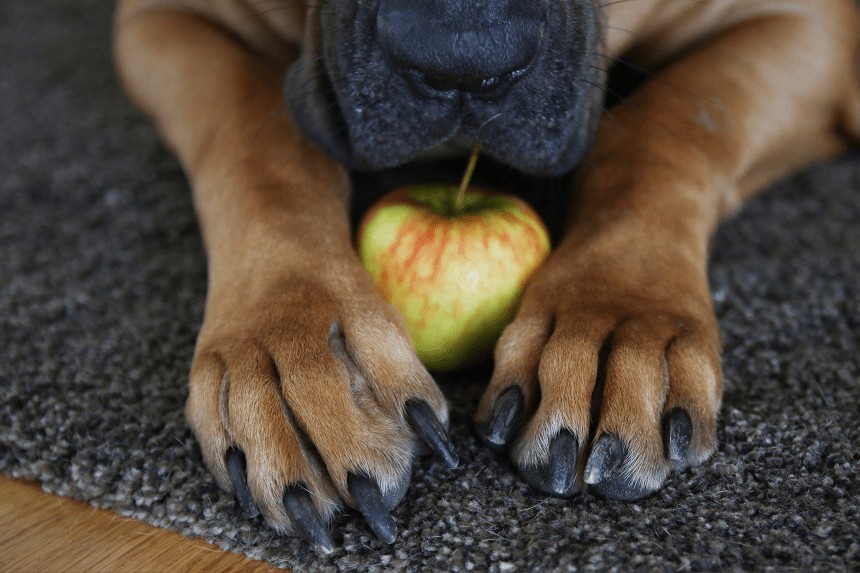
610 376
305 389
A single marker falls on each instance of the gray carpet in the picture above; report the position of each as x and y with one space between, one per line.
102 278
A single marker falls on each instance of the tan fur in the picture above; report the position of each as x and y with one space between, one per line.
653 192
762 88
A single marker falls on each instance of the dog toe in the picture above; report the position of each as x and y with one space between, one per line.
678 430
247 435
606 456
236 466
605 475
556 477
425 423
373 506
304 515
498 430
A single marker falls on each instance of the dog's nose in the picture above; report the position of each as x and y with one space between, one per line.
461 44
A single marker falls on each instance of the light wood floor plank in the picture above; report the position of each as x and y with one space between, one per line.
42 533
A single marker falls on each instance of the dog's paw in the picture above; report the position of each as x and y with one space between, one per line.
301 399
609 378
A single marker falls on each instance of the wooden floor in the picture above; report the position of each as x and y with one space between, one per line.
42 533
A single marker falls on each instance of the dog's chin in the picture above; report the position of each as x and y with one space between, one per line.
371 147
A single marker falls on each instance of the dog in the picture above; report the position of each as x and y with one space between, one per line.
305 392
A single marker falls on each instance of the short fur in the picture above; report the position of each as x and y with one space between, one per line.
301 364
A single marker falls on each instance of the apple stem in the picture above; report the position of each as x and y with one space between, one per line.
467 178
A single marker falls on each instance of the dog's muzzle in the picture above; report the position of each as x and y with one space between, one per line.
379 84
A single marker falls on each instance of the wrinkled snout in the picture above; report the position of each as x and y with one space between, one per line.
461 45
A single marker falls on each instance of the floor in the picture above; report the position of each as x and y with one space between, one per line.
40 532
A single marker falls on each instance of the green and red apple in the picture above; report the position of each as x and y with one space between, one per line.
455 262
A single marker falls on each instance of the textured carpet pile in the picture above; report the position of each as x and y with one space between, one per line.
102 282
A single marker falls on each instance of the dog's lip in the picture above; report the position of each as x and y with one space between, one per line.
453 88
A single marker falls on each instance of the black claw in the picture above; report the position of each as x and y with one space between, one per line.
562 461
236 465
558 476
603 477
425 423
301 511
508 406
678 434
606 456
369 500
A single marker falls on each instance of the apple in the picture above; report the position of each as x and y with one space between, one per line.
454 261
